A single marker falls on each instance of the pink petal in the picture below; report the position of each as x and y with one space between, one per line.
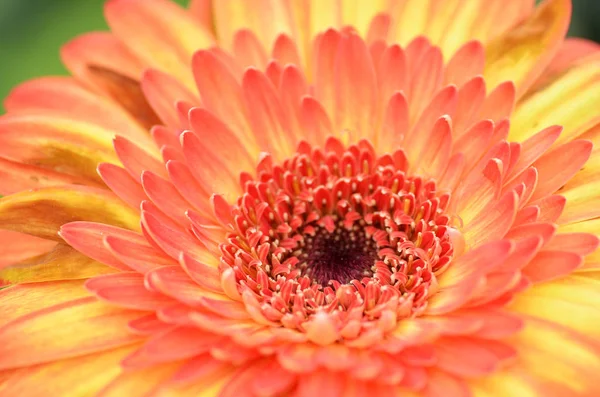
555 168
549 265
136 160
88 237
126 290
466 62
122 184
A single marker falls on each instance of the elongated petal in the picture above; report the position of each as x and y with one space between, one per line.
522 53
42 212
581 85
62 263
66 330
74 376
142 26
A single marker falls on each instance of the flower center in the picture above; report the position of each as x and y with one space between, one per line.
337 231
342 255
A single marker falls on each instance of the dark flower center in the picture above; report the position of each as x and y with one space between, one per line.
342 255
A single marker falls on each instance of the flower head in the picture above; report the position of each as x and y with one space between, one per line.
331 197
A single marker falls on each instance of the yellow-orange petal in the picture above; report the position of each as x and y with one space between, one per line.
69 329
267 18
544 107
64 97
162 92
522 53
42 212
61 263
55 143
18 246
455 22
16 177
73 376
148 31
100 49
573 51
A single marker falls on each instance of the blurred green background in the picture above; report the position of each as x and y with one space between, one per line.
32 31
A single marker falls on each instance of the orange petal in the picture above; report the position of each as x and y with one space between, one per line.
248 50
267 118
100 49
470 99
162 92
73 376
221 93
573 51
211 173
580 243
440 383
164 195
456 284
549 265
126 289
556 167
479 19
391 72
521 54
23 299
173 241
550 208
216 137
16 177
493 221
69 329
122 184
126 92
64 97
174 282
426 80
17 247
203 11
147 30
138 255
432 150
500 103
467 356
137 160
42 212
553 360
533 148
474 141
355 94
62 263
88 238
146 381
467 62
55 143
266 18
581 84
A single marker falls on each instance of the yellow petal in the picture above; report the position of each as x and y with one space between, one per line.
70 329
522 53
62 263
591 261
42 212
80 376
570 301
565 101
21 300
159 32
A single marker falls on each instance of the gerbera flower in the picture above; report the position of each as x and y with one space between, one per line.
261 198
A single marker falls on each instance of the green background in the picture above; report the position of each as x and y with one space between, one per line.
32 31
